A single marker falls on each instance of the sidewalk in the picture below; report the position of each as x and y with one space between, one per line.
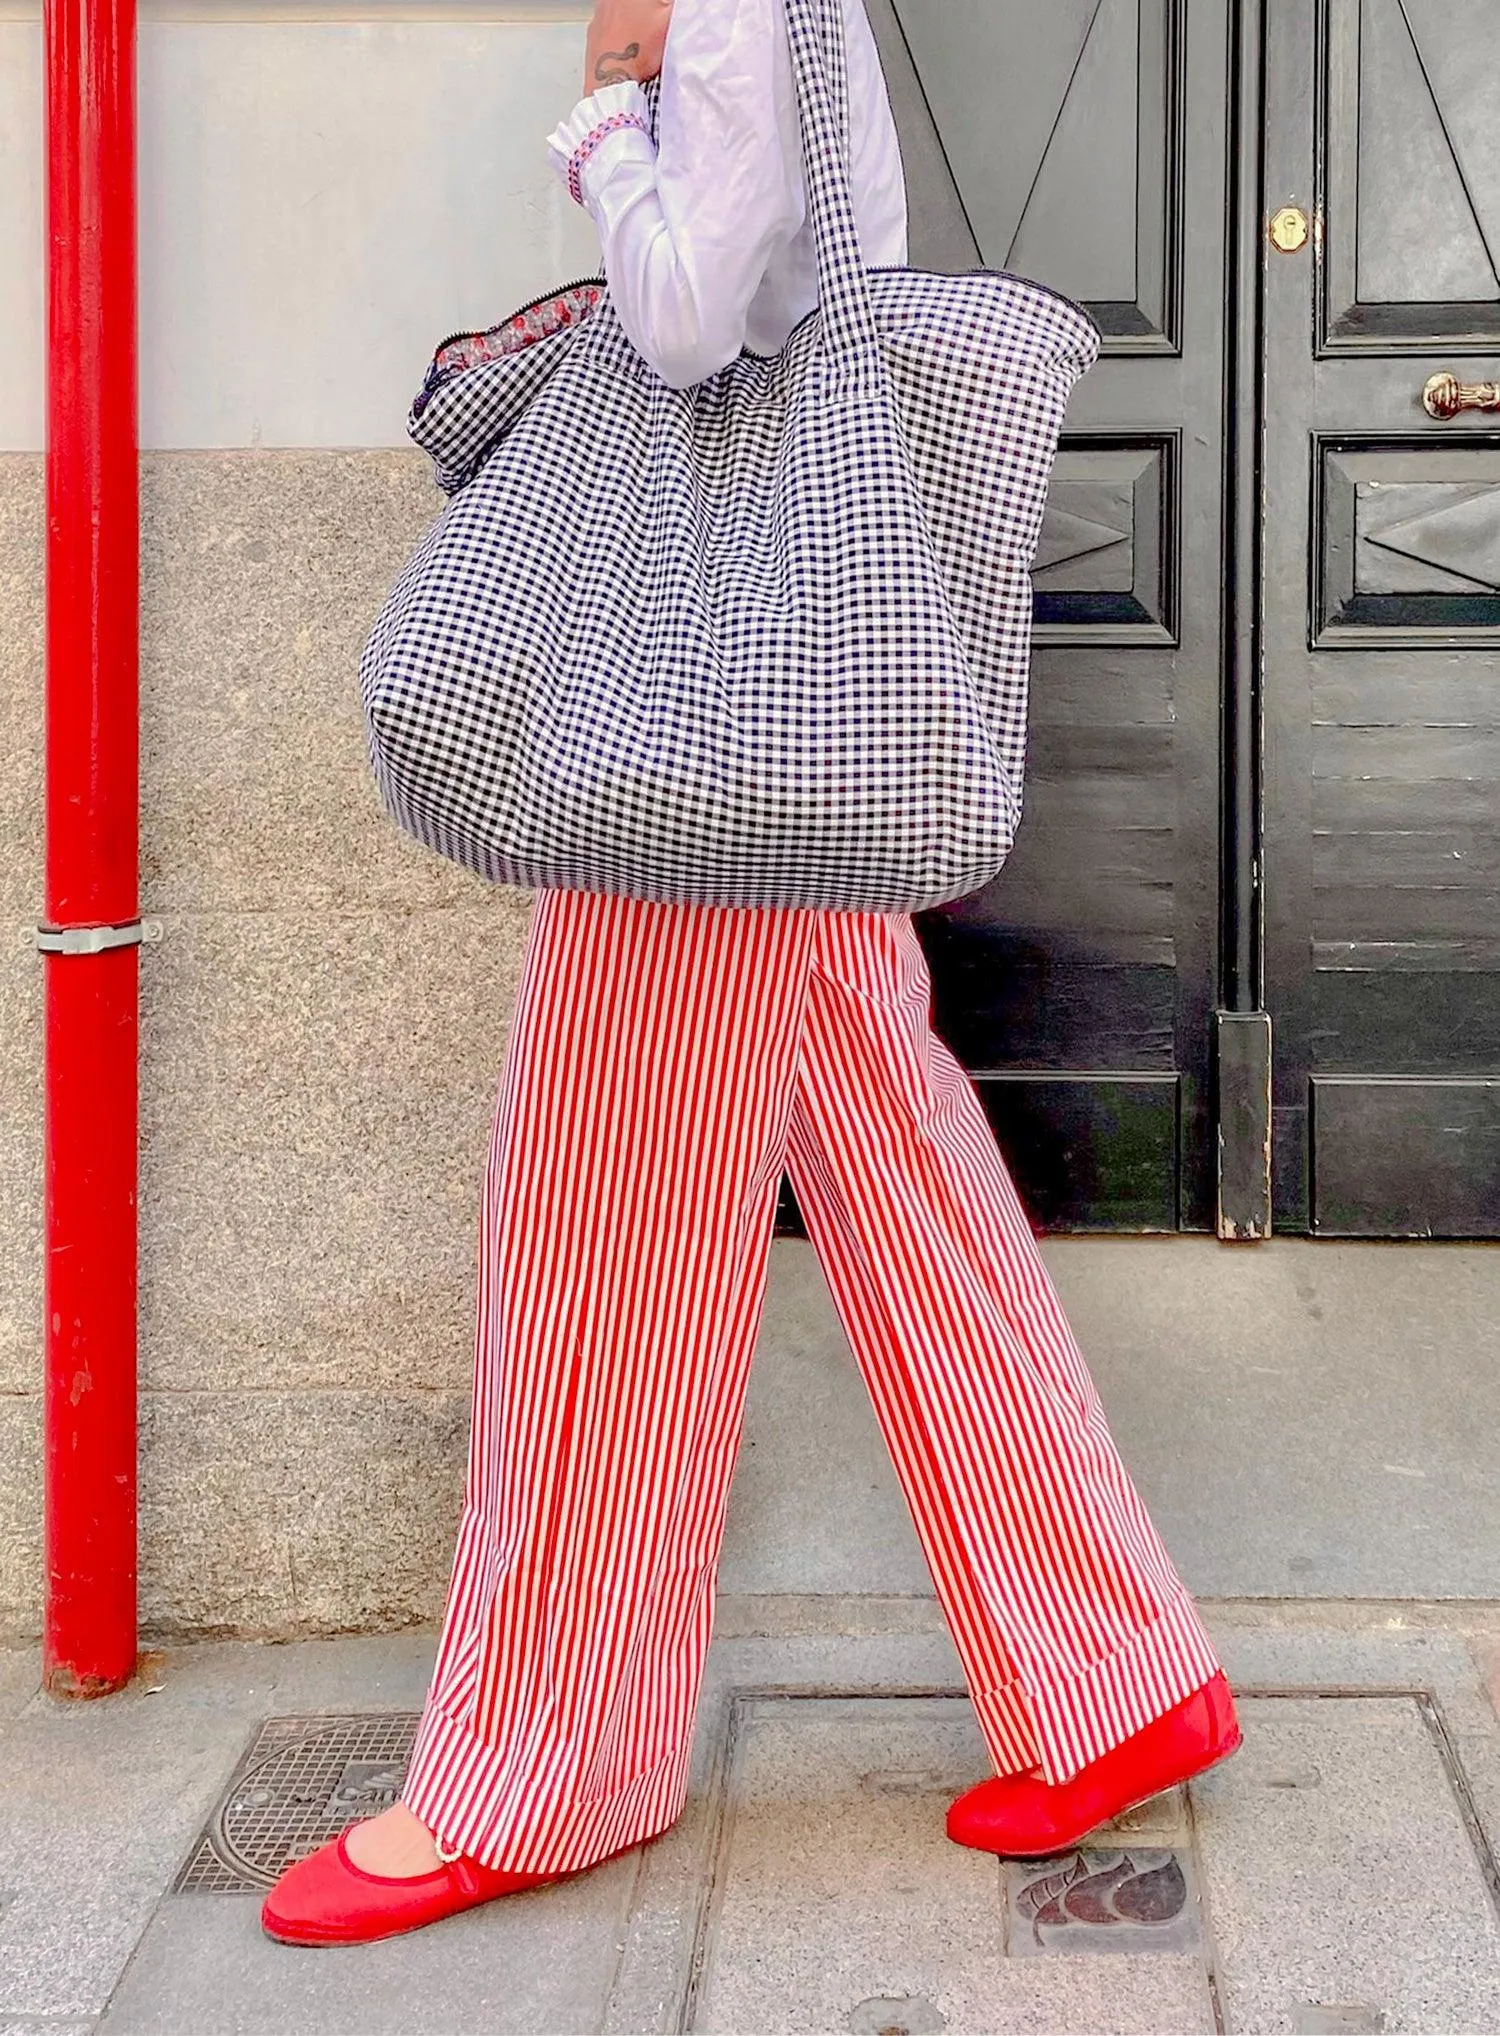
1314 1429
1338 1875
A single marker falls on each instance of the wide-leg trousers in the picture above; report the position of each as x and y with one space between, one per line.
666 1064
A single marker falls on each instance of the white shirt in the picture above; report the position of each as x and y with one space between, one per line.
707 246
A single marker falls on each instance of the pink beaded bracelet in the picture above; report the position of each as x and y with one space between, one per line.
592 141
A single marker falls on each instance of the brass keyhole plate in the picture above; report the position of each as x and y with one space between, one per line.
1289 229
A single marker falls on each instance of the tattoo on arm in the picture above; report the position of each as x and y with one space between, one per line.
608 70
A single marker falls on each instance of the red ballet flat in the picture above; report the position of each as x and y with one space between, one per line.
1022 1817
327 1899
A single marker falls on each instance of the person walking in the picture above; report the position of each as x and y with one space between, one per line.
667 1063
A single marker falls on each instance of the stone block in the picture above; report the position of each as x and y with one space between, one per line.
284 1513
20 1515
317 1092
261 575
21 904
21 622
20 1168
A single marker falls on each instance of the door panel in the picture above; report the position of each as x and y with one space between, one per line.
1381 622
1412 174
1061 134
1084 144
1107 563
1407 1158
1408 552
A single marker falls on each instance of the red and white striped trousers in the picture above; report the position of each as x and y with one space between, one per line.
666 1064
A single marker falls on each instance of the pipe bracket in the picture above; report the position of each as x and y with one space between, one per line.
90 939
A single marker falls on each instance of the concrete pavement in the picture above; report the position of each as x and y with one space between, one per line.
1313 1427
1338 1874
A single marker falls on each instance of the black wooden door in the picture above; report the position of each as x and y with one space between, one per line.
1381 620
1084 143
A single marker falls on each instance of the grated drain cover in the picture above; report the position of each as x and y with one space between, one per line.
300 1782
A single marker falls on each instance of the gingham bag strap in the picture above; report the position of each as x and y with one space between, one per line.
815 29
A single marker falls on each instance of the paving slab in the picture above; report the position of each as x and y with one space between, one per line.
1307 1419
534 1965
43 2025
1341 1877
839 1904
815 1507
100 1801
1302 1646
672 1891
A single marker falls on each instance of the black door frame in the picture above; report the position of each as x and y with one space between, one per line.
1242 1055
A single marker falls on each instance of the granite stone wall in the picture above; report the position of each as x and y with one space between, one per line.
323 1025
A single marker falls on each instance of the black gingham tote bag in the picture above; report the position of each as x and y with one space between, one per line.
761 642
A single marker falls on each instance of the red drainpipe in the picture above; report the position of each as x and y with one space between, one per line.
89 940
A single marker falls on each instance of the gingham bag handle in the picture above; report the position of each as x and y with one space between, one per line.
815 29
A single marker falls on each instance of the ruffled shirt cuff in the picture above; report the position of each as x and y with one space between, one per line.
581 146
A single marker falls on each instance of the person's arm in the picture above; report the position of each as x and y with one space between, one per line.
687 232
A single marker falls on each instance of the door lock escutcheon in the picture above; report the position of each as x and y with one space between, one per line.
1289 229
1445 396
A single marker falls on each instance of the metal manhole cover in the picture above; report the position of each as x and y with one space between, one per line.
301 1781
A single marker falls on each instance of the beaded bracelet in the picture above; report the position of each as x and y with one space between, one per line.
592 141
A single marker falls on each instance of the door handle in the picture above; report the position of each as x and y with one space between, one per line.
1445 396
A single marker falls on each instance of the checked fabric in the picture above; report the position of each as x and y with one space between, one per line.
761 642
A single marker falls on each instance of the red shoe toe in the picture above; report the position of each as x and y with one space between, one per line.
1021 1817
327 1899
